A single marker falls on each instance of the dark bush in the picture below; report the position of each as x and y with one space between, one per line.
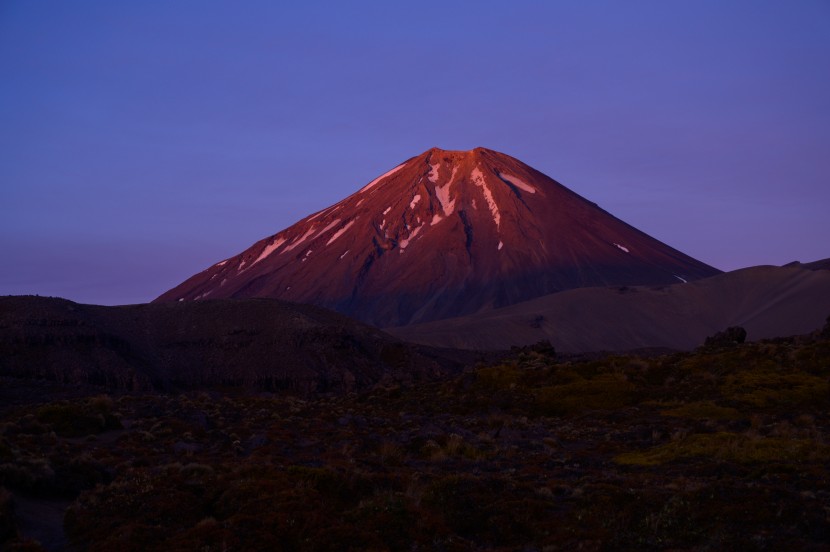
8 530
730 337
78 419
78 474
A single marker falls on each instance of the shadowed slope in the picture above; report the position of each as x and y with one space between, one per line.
261 343
768 301
823 264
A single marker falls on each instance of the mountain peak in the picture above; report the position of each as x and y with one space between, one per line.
474 151
456 155
444 233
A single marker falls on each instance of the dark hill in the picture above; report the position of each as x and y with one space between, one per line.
768 301
261 343
823 264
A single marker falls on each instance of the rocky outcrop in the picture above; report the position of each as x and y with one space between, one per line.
729 337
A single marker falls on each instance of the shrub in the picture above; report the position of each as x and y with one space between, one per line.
730 447
386 515
29 474
496 378
145 507
391 454
196 471
6 452
7 526
76 474
703 410
457 500
81 418
768 387
604 391
729 337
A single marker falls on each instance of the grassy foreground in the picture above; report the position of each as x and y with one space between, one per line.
721 449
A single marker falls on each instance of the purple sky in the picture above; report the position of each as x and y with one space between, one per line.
141 142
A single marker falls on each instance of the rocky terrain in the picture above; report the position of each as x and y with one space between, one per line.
723 448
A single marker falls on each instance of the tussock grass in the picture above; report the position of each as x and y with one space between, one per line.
603 392
703 410
710 450
729 447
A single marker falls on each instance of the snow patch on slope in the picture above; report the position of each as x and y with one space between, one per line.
622 248
478 180
328 227
404 242
269 249
340 232
433 172
518 183
299 241
414 201
443 195
323 212
371 184
681 279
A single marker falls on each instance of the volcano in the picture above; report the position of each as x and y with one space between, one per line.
444 234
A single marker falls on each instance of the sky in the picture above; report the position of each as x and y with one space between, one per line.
141 142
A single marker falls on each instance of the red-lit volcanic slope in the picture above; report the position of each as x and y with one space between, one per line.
443 234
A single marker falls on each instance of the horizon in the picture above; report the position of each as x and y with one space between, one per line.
144 143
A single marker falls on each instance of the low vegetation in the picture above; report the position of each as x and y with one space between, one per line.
723 449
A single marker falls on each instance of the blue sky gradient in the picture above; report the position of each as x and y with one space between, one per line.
141 142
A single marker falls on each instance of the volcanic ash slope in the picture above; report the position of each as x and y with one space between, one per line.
444 234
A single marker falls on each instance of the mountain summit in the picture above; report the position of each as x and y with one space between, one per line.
443 234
